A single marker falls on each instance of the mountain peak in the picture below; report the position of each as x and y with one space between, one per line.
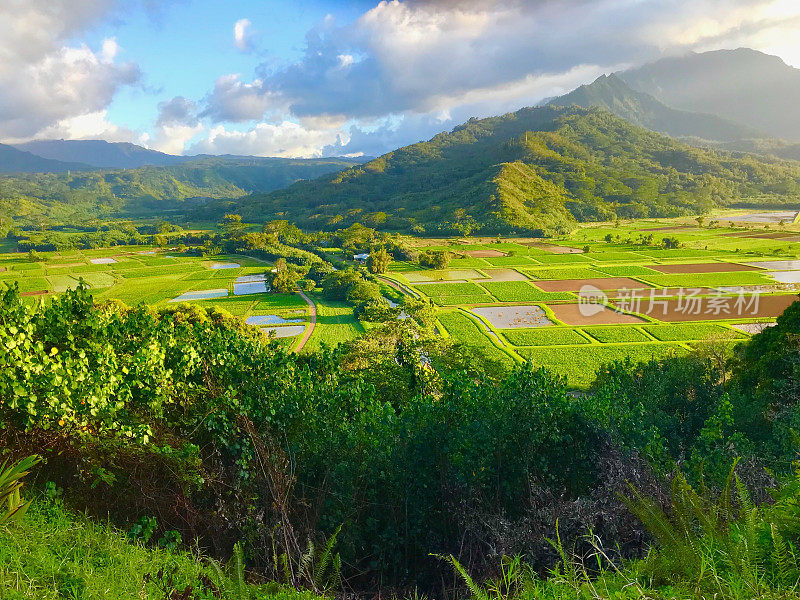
611 93
741 85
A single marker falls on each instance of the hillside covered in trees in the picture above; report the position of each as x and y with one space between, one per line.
537 170
57 198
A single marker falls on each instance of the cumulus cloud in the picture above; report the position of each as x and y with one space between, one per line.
177 124
401 72
172 139
286 139
178 111
242 36
233 100
425 56
45 81
89 126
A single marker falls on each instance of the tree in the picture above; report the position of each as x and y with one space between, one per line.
434 259
362 292
378 261
336 285
160 240
284 281
307 285
232 226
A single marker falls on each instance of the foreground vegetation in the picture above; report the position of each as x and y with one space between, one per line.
52 553
187 417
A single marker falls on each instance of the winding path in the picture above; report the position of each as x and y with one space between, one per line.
313 323
312 307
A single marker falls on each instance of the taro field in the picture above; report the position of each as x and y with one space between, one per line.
636 290
136 275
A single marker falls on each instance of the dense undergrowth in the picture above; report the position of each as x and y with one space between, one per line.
52 554
390 448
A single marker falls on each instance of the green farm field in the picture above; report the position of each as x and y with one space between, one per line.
632 250
481 272
140 275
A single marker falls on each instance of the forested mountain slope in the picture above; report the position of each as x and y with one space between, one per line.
534 170
746 86
150 191
611 93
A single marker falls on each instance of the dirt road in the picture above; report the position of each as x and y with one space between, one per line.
309 330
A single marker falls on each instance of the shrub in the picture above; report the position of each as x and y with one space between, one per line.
434 259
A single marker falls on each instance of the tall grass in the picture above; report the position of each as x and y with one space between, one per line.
707 545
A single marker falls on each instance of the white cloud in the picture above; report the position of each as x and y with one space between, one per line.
233 100
44 81
89 126
177 111
242 36
172 139
286 139
417 56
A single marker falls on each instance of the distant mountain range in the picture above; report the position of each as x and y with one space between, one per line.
595 153
744 86
74 195
100 154
13 160
611 93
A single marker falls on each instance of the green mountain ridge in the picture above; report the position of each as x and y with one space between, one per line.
100 153
14 160
745 86
535 170
150 191
611 93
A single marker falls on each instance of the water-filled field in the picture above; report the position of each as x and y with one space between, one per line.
719 283
237 285
602 292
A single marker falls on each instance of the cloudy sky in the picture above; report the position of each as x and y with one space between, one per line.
328 77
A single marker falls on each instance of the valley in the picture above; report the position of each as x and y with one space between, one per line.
415 300
516 299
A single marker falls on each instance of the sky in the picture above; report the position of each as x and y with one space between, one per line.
308 78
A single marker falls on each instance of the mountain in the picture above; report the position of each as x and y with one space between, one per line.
535 170
754 89
151 191
613 94
99 153
765 146
13 160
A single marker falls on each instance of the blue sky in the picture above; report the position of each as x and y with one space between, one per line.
182 48
318 77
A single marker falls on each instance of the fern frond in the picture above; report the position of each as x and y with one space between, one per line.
325 558
477 592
